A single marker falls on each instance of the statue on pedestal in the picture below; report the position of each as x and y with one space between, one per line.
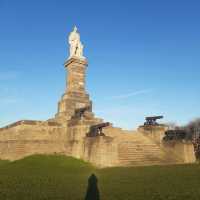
76 47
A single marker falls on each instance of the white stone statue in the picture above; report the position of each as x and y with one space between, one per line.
76 47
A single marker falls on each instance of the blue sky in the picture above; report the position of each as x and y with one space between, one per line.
143 58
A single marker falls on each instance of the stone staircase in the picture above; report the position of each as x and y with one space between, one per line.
138 150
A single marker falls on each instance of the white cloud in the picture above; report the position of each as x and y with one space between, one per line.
131 94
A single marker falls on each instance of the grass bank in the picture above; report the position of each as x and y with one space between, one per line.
64 178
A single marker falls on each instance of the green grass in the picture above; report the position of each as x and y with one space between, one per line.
65 178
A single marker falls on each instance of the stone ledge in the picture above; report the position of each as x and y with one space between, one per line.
75 60
152 127
29 122
36 141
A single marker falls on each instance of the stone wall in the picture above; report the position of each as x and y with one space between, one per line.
31 137
155 132
117 148
26 138
101 151
183 149
180 149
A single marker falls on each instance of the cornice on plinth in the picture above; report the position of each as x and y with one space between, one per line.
77 60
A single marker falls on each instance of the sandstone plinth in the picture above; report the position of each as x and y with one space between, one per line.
75 95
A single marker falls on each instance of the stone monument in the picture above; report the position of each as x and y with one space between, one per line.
75 96
75 131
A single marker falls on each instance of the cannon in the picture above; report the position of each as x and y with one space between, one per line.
96 130
80 112
175 135
152 120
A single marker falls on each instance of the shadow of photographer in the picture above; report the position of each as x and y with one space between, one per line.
92 189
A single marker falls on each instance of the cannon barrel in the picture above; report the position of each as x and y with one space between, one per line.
175 135
102 125
154 117
96 130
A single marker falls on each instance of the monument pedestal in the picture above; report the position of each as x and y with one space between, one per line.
75 96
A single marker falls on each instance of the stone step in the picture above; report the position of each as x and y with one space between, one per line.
146 161
139 145
129 156
142 161
138 155
138 152
135 149
139 148
142 151
144 164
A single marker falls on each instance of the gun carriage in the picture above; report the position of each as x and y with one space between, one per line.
151 121
175 135
96 130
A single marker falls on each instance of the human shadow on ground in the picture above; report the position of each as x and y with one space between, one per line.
92 189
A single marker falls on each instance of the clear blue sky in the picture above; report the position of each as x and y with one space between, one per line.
144 58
